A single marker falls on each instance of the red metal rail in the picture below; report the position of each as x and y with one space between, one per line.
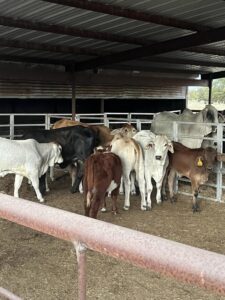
185 263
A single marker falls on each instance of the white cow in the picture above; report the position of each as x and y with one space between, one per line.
127 130
156 160
130 153
194 133
27 158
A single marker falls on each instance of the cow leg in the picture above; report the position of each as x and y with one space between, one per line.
35 183
133 188
52 173
95 205
126 179
114 196
158 194
165 177
121 186
17 185
42 184
103 209
195 191
46 183
171 177
73 171
79 176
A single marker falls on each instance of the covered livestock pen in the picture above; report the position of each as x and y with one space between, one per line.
89 57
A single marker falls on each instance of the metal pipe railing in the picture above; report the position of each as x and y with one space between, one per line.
185 263
7 295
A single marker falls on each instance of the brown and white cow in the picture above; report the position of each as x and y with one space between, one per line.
131 155
103 132
194 164
102 174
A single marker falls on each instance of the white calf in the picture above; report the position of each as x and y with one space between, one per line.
131 156
156 160
28 158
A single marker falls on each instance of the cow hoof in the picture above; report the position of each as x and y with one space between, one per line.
196 208
164 198
73 191
159 202
126 207
133 193
47 190
42 200
145 208
103 210
114 212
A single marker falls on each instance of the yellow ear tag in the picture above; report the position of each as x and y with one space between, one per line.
199 163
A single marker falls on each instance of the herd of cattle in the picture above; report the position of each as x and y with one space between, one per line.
126 158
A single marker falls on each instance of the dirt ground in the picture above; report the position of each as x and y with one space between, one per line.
37 266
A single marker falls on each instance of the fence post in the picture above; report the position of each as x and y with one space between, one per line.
12 125
138 124
106 120
81 261
47 121
219 178
175 139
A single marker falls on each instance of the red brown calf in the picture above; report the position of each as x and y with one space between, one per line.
193 164
102 175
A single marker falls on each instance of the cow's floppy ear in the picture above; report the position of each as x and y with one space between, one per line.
170 147
199 161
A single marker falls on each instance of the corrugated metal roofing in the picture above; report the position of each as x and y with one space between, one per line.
202 12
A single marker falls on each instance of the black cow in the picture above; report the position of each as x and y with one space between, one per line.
77 143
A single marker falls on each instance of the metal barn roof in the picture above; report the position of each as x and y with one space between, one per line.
158 36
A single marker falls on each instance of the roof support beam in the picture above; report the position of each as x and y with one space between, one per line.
130 13
206 50
21 73
72 31
213 35
179 61
215 75
47 47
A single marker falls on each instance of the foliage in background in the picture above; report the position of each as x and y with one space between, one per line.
202 93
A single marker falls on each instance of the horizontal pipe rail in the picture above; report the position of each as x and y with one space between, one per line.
5 294
185 263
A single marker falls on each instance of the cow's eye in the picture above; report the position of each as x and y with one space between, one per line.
165 145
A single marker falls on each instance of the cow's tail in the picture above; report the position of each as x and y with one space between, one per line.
89 180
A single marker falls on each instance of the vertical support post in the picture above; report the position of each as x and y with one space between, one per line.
11 127
47 121
175 139
81 261
210 91
106 120
219 177
138 124
73 96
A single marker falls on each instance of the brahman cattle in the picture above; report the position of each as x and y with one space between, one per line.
28 159
194 164
130 153
190 135
127 130
102 174
77 143
155 149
